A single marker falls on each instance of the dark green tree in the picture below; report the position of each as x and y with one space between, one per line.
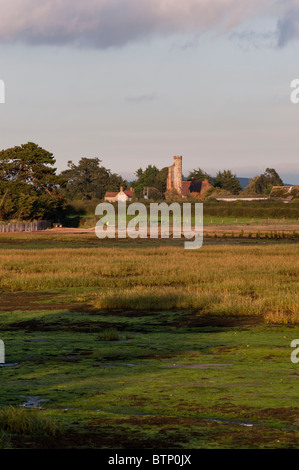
227 180
29 164
89 179
29 186
265 182
160 182
200 175
251 190
145 178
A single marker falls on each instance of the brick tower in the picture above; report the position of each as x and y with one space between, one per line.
174 180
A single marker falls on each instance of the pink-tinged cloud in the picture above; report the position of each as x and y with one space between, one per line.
104 23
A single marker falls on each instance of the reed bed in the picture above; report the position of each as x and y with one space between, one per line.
26 422
215 280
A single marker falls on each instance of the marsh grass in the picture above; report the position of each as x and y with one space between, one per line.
67 346
25 422
109 334
215 280
5 442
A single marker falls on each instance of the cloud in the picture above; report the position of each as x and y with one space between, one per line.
249 39
106 23
288 24
146 97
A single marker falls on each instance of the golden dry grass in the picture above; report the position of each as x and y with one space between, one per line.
215 280
21 421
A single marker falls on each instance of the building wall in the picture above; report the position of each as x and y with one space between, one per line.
174 180
110 199
122 197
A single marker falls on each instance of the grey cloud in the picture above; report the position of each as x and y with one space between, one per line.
288 22
191 44
288 28
141 98
249 39
106 23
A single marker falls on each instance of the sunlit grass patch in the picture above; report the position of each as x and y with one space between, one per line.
26 422
282 317
155 298
205 302
109 334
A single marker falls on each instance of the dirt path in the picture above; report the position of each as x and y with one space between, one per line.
208 228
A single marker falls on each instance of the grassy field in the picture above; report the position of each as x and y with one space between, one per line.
142 344
208 221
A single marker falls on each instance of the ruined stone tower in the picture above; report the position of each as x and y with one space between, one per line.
174 180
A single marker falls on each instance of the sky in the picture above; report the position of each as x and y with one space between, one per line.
135 82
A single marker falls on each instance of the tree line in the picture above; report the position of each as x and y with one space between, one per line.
225 182
30 187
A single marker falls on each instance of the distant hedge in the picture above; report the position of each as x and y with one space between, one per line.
261 209
271 209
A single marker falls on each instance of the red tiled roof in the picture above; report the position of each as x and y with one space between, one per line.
111 194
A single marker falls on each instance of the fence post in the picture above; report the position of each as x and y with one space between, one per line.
25 226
